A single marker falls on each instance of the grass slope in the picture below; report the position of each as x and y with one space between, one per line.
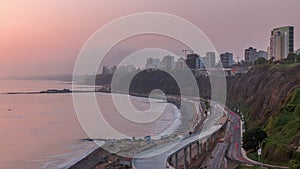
284 133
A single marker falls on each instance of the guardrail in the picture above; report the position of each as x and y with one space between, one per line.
202 146
202 140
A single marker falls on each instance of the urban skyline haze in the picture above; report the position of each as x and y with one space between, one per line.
45 37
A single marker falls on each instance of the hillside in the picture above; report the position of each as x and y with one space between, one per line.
269 96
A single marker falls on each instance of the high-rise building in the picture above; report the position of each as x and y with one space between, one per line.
200 62
130 68
269 53
193 61
226 59
180 64
250 55
105 70
281 42
113 69
210 59
152 63
262 54
167 62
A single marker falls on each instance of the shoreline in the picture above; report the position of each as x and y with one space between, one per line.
92 160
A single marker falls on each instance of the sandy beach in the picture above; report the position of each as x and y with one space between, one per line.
101 158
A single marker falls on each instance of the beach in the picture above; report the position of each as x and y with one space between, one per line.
189 120
46 132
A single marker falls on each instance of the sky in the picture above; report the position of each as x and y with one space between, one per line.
45 37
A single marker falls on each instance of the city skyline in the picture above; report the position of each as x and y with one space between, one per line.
41 38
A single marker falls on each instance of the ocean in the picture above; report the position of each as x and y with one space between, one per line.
42 130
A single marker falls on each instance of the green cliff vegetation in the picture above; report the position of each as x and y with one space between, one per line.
252 138
269 97
284 129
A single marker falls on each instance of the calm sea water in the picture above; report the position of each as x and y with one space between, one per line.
42 130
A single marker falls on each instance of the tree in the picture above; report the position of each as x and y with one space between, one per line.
207 104
260 61
271 60
291 58
252 138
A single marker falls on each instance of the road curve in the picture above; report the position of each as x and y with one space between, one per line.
160 161
235 143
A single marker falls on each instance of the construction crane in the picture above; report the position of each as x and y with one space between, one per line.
187 50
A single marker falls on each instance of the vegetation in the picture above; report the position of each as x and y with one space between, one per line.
285 130
263 95
269 99
260 61
291 58
252 138
207 104
284 66
294 164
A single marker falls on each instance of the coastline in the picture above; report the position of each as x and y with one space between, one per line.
92 160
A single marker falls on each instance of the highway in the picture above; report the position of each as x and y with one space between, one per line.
235 151
144 160
232 143
217 157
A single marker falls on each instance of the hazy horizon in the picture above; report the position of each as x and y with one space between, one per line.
45 37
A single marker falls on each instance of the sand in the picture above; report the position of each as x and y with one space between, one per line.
93 160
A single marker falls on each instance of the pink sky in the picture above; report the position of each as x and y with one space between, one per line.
45 37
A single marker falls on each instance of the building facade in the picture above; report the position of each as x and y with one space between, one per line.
281 42
180 64
210 59
194 62
226 59
167 62
298 51
262 54
250 55
152 63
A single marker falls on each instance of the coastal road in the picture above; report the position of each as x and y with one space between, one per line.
235 151
218 156
144 160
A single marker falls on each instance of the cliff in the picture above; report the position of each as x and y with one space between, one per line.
269 97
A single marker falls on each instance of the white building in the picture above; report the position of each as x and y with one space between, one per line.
281 42
250 55
262 54
152 63
167 62
180 64
210 60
